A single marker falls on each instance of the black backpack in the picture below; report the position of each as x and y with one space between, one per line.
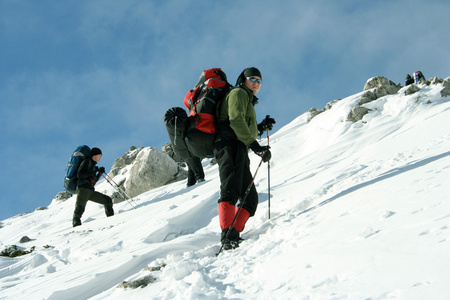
70 180
175 120
193 135
204 103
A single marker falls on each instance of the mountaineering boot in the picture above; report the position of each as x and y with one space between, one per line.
109 211
76 222
231 241
190 182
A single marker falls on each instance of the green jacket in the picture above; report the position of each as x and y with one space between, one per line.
237 117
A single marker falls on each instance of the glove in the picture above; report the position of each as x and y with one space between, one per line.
266 124
101 170
267 156
262 151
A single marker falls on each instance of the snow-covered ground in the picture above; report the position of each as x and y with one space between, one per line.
358 211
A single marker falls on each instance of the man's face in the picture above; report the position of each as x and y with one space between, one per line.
253 84
97 157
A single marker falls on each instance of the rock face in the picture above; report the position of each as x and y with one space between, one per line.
377 87
63 196
125 160
445 92
412 89
168 148
381 87
146 168
381 81
357 113
151 169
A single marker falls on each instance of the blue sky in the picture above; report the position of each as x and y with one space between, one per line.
103 73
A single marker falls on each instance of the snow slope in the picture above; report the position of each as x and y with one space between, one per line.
358 211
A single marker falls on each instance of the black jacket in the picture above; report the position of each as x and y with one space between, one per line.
409 81
87 174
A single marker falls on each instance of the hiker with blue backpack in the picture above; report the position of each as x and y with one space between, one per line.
87 176
237 133
418 77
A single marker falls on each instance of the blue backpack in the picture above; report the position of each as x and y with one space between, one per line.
71 179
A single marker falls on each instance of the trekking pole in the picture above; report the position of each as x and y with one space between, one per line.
121 191
243 201
268 175
119 188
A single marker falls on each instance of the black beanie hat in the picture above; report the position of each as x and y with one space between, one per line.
247 73
252 72
95 151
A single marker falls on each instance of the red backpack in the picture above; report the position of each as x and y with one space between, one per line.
203 102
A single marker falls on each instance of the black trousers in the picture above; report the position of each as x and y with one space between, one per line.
235 176
85 194
195 170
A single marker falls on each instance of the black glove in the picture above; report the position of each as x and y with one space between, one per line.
101 170
267 156
266 124
262 151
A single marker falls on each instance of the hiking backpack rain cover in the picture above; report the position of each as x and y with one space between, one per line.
203 103
71 179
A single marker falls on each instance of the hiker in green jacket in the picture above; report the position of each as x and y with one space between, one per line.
88 175
237 132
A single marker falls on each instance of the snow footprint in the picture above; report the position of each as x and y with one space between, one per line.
369 232
388 214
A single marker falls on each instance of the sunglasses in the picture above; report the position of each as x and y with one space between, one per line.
254 79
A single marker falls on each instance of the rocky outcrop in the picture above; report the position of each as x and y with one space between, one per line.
145 168
357 113
412 89
168 148
367 97
63 196
313 112
381 81
377 87
445 92
125 160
